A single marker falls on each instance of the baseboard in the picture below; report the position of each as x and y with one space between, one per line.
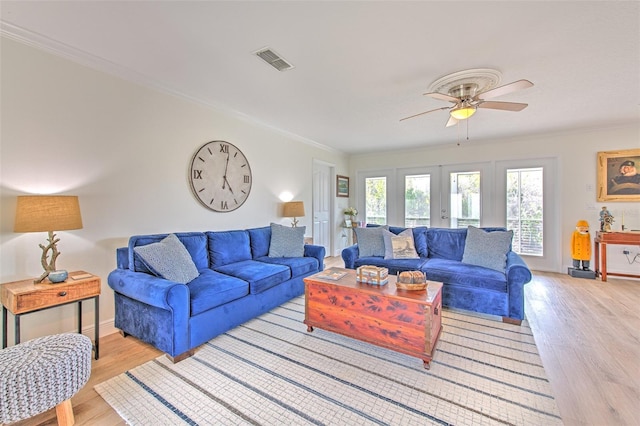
106 328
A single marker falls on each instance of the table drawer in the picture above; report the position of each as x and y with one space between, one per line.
57 294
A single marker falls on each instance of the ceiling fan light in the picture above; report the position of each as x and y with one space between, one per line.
463 112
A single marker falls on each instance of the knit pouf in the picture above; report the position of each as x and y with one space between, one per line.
40 374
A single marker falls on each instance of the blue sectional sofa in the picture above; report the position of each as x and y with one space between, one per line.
236 280
440 252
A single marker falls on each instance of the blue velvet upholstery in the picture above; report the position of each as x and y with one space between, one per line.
465 286
228 247
259 275
236 283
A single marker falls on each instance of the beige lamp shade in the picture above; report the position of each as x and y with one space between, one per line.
293 209
44 213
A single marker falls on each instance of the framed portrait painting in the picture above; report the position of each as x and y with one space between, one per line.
618 178
342 186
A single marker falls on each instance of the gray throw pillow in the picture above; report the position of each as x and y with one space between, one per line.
488 249
399 246
286 241
370 241
169 259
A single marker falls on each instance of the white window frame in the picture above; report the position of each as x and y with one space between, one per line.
551 241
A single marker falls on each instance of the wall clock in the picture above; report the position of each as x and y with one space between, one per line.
220 176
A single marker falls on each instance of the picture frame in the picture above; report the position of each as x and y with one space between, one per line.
342 186
618 178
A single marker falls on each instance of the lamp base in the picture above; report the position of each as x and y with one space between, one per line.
294 224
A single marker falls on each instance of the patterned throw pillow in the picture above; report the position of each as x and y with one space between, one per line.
399 246
370 241
488 249
169 259
286 241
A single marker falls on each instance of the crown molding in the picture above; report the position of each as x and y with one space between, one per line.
79 56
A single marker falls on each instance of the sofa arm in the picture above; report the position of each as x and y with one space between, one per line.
517 270
318 252
518 274
149 289
350 255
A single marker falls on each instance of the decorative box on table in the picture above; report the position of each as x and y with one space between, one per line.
375 275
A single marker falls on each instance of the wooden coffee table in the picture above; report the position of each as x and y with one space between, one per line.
403 321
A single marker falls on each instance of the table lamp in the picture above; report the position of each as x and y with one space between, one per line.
294 209
48 213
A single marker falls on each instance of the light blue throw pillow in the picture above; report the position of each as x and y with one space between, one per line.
286 241
488 249
370 241
169 259
399 246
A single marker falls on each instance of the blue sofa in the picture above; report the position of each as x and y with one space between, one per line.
465 286
237 281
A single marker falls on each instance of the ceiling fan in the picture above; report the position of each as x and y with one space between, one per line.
466 98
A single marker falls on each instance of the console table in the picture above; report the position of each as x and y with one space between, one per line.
23 297
620 238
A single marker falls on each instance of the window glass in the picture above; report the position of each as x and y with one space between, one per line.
524 210
417 200
376 200
465 199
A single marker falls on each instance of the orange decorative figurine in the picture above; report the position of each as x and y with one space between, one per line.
581 251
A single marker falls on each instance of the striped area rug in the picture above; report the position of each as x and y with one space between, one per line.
271 371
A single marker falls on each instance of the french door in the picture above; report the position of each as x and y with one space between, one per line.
444 196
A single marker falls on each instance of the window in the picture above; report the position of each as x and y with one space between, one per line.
376 200
465 199
417 200
524 210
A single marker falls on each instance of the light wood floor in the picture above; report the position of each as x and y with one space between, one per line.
587 332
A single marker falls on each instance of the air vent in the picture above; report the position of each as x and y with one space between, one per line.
273 59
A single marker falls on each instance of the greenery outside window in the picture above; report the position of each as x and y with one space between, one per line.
376 200
524 210
417 201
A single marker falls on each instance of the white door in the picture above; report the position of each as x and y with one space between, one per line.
322 206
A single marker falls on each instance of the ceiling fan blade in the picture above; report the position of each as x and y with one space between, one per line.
503 90
503 106
423 113
442 97
452 122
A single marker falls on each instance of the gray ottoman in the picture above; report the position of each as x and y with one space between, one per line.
43 373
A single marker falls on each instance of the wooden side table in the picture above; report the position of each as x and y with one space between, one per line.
24 297
621 238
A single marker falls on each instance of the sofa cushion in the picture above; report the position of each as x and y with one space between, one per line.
458 273
260 275
420 240
286 241
299 265
399 246
259 239
213 289
488 249
370 241
444 243
227 247
168 259
194 242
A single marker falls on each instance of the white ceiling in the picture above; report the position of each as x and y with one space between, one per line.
360 66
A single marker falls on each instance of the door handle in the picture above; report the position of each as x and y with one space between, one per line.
444 217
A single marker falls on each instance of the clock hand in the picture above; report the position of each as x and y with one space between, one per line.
228 184
226 166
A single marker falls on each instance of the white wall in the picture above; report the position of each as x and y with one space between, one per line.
576 154
125 151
